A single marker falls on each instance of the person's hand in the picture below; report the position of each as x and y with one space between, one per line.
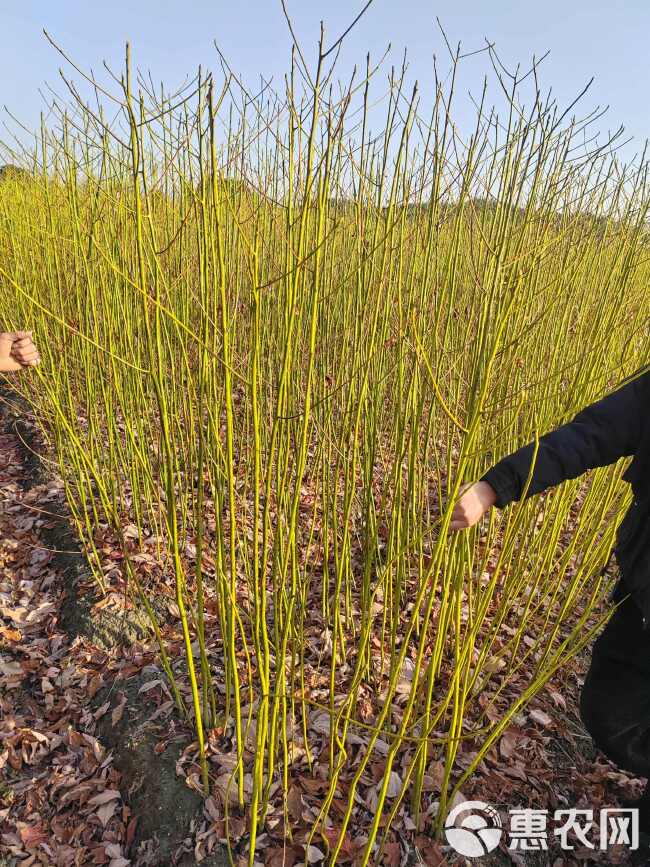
474 499
17 350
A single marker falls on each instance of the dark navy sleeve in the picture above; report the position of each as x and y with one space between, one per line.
598 435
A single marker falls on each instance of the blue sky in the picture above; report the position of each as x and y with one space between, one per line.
586 38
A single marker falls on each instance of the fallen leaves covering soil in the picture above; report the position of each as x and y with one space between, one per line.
94 763
547 761
81 780
60 796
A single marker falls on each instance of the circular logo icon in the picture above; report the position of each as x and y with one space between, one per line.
475 834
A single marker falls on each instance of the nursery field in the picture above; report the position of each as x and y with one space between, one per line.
276 340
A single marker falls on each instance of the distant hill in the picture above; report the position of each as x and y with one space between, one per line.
11 172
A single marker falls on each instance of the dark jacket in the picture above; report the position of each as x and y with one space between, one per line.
614 427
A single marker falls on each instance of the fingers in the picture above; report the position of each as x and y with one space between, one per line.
16 335
461 520
458 519
23 343
463 516
474 500
30 360
461 524
18 347
24 351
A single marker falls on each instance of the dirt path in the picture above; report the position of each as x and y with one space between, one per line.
60 796
87 751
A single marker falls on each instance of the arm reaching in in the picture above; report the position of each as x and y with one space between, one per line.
17 350
600 434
